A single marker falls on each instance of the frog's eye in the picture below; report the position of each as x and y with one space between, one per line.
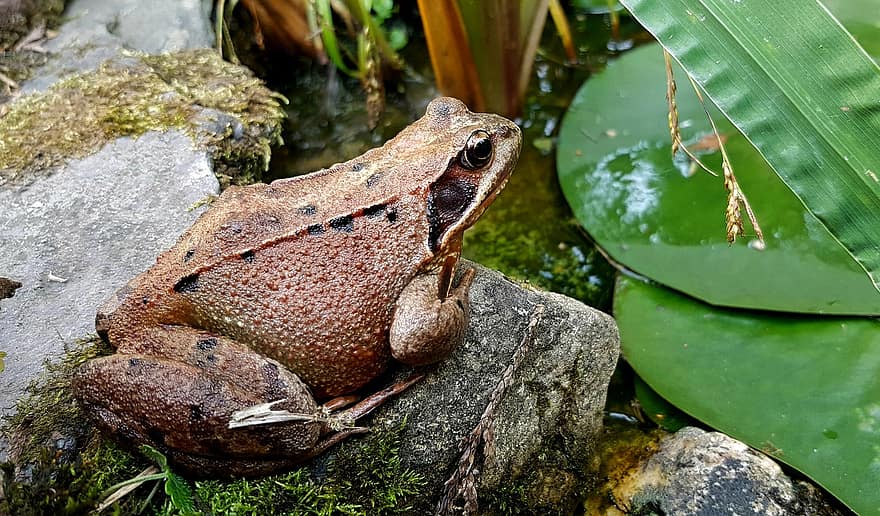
477 151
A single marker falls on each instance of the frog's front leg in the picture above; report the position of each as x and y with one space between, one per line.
430 317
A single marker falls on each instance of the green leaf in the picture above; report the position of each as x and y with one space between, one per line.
804 390
801 89
598 6
328 36
176 487
179 492
398 37
658 217
155 455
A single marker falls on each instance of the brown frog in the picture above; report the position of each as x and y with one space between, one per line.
305 285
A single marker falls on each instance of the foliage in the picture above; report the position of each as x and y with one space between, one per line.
802 389
816 125
494 59
661 217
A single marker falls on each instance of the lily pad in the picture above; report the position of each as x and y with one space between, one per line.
726 368
658 216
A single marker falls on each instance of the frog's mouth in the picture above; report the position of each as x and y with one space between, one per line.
460 196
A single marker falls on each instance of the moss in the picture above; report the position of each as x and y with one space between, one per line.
57 464
527 252
48 407
194 91
295 492
370 473
508 499
366 477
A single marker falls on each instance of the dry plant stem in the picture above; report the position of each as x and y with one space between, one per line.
7 81
735 196
462 485
144 476
673 116
736 199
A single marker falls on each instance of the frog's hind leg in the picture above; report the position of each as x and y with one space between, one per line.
179 390
359 410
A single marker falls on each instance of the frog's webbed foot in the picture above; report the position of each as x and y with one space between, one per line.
431 317
357 411
330 414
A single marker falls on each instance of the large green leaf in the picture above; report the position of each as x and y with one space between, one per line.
804 390
800 88
650 213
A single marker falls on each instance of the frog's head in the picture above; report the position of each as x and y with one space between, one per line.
482 150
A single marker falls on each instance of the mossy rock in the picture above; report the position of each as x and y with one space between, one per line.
220 105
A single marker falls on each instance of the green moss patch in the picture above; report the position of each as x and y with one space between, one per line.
366 477
57 465
128 97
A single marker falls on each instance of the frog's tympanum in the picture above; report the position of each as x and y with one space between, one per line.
305 285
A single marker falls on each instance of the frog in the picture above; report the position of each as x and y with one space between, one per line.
303 289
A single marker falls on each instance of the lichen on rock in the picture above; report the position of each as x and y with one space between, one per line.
220 105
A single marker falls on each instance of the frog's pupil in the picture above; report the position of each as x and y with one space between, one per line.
482 149
478 150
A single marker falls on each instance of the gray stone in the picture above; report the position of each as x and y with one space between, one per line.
76 236
547 421
698 472
98 30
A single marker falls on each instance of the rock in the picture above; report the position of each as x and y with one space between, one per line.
76 236
97 30
537 440
698 472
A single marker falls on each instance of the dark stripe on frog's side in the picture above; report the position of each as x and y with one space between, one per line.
195 414
373 180
374 211
275 386
189 283
344 223
208 361
206 343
